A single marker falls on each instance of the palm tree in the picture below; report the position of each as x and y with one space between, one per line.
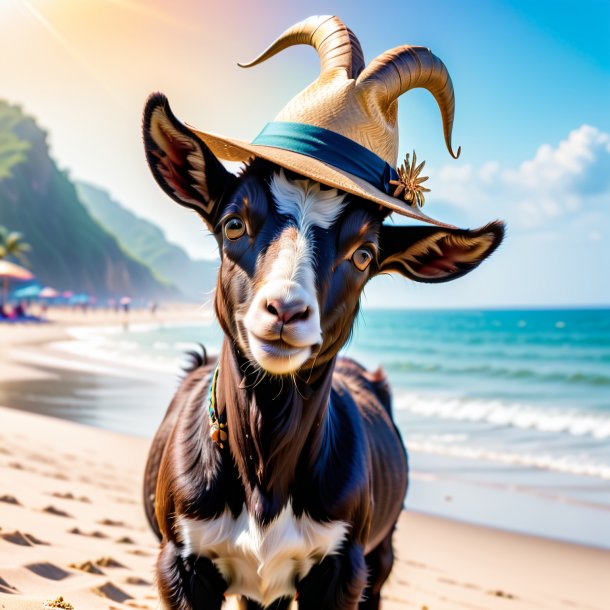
13 246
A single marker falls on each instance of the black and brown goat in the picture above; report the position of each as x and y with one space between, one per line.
297 493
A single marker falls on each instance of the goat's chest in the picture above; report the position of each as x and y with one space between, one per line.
261 562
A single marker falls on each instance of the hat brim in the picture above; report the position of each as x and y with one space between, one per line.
229 149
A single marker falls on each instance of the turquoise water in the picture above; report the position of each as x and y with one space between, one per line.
506 414
531 387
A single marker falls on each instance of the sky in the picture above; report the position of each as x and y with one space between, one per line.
532 85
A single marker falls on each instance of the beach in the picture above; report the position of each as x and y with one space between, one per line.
72 524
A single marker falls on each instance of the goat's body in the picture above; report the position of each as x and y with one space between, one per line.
303 498
203 508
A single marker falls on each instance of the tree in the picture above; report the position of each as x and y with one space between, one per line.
13 246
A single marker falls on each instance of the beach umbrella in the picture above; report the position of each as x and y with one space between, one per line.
11 271
125 301
79 299
48 293
29 292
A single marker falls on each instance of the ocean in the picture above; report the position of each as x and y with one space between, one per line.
506 414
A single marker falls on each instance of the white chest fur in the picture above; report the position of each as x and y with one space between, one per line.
261 563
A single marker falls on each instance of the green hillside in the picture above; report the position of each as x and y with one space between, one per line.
70 250
146 241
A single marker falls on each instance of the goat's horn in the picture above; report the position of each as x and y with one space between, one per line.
335 43
403 68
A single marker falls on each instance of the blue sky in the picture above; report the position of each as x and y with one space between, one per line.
532 82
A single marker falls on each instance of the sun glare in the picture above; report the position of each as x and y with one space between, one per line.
28 5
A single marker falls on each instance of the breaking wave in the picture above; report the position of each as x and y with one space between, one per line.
499 372
568 421
571 464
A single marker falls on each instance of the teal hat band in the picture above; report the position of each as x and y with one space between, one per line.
329 147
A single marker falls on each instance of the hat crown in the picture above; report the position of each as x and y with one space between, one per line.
355 101
345 108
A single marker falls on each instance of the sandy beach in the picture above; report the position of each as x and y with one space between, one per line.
72 525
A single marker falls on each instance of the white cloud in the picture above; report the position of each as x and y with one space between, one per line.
572 177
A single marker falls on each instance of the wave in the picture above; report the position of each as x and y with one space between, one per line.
485 370
568 421
499 352
568 464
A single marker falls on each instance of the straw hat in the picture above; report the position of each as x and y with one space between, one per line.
342 130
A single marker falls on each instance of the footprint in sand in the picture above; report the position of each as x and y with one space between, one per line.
22 539
94 534
47 570
125 540
5 587
112 523
110 591
109 562
87 566
140 553
10 499
500 593
136 580
17 466
70 496
52 510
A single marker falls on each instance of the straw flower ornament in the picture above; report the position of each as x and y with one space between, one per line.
409 183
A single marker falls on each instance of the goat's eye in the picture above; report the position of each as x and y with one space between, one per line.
362 258
235 227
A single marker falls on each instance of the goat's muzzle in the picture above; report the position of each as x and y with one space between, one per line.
283 327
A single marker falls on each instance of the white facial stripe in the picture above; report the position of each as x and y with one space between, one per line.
309 205
293 262
306 202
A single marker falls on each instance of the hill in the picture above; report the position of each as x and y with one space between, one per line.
146 242
70 250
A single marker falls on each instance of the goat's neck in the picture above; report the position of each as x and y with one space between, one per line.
273 424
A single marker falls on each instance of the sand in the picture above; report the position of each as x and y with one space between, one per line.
72 525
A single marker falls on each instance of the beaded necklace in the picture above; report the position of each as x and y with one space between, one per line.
218 423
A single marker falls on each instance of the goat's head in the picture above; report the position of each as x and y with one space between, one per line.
295 255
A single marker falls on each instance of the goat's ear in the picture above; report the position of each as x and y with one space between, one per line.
181 163
429 254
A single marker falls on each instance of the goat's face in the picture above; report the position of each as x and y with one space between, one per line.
295 255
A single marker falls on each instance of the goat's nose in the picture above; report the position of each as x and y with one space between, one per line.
288 311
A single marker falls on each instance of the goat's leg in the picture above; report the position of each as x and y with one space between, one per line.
336 583
194 584
379 565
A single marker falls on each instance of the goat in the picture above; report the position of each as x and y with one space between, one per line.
278 472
